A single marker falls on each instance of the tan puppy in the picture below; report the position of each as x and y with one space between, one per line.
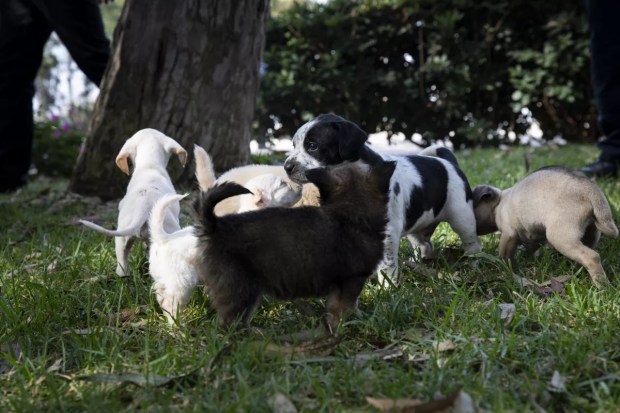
556 204
277 189
149 151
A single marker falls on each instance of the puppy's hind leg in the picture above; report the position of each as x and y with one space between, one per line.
341 300
122 245
570 246
233 296
388 267
172 299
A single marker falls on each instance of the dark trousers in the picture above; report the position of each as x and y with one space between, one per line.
25 26
604 20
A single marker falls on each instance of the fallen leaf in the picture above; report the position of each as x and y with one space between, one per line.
414 405
421 268
55 367
281 404
52 266
444 346
560 278
418 358
32 255
507 312
557 383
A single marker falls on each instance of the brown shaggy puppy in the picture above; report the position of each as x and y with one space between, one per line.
291 253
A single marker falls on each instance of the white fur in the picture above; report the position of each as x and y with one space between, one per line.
173 259
269 190
149 150
271 181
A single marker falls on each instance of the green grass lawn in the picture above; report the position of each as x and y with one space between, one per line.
77 338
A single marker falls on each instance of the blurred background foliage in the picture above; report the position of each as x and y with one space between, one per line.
477 72
469 70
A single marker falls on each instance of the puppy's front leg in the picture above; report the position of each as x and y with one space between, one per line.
508 243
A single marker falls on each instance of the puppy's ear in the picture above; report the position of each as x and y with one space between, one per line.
128 151
485 193
351 139
172 147
381 174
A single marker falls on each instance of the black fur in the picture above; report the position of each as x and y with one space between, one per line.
296 252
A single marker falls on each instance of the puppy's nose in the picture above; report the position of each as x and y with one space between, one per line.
288 166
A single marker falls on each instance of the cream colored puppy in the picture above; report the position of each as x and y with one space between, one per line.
269 184
553 204
149 151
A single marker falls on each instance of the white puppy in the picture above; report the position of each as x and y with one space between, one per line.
149 151
268 190
173 259
269 184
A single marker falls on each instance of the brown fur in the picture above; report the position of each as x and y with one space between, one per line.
554 204
288 253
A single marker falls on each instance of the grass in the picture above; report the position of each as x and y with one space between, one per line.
77 338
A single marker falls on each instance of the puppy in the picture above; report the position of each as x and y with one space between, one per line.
149 151
425 189
553 204
291 253
174 260
268 190
283 191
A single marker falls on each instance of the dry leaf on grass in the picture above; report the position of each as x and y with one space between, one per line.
281 404
557 383
507 312
55 367
551 286
444 346
457 402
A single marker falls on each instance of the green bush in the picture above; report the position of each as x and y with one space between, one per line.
57 143
458 68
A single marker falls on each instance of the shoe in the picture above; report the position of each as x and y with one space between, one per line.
601 169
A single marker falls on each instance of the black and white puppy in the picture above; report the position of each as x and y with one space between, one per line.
288 253
425 189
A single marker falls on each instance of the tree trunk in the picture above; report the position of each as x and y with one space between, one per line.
187 68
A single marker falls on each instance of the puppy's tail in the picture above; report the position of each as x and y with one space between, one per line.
158 213
603 218
205 203
440 152
205 175
132 230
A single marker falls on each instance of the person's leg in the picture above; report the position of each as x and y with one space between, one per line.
79 25
23 34
605 55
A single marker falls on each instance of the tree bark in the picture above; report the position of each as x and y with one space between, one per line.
187 68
